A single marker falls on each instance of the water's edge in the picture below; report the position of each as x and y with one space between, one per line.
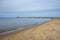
21 29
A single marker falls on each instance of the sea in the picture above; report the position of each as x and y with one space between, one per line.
12 23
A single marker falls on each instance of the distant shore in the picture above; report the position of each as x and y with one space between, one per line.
45 31
40 17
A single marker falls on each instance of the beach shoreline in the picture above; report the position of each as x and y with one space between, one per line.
21 29
45 31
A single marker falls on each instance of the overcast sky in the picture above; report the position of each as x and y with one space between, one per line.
12 6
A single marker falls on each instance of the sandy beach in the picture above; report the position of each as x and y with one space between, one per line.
46 31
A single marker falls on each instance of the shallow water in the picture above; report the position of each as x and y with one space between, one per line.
8 24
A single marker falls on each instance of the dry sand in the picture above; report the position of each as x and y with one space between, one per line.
46 31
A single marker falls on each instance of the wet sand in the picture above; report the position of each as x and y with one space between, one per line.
45 31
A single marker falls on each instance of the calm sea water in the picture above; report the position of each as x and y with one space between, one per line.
8 24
